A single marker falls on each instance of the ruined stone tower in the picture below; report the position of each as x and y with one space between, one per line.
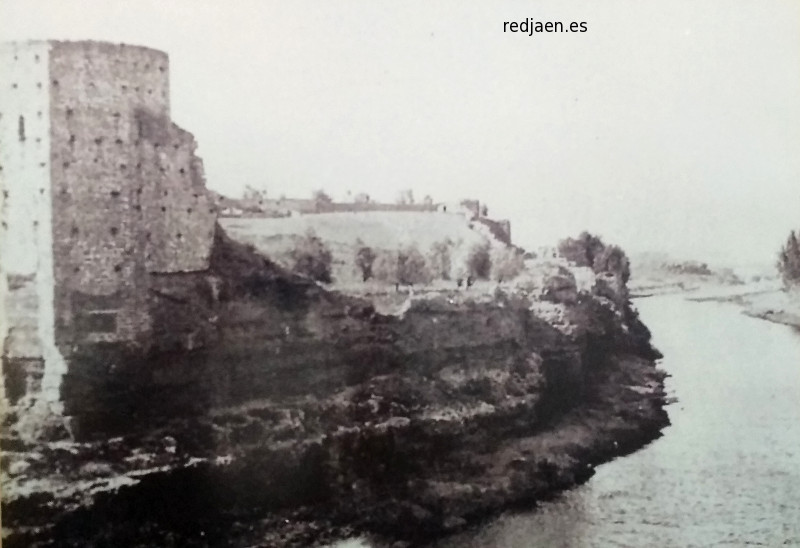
100 191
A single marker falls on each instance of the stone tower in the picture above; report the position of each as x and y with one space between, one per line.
100 191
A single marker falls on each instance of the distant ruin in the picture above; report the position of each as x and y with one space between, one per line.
100 193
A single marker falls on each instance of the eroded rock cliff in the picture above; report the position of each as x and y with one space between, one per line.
272 412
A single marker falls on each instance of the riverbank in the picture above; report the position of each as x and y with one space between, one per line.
312 418
723 474
775 305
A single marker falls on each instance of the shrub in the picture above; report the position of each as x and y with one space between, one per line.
613 259
312 258
385 267
365 257
583 250
507 264
789 260
479 261
411 267
440 260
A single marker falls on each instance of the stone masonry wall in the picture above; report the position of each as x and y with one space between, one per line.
178 212
27 278
95 90
24 201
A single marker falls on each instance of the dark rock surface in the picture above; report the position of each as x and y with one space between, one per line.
305 416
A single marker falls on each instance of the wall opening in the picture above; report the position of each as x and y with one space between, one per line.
21 128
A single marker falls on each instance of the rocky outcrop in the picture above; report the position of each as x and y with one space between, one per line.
300 415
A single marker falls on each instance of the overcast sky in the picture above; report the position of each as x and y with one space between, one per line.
670 126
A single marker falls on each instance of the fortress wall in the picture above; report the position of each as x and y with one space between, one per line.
179 214
27 328
25 254
101 279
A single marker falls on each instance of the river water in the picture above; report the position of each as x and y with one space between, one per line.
726 473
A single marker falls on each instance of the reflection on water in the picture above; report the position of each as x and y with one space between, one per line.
727 472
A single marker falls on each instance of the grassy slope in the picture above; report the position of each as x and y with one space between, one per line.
379 230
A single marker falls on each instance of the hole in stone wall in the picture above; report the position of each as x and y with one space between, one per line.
161 68
180 236
114 231
98 140
74 230
148 236
42 164
137 207
123 166
117 115
182 171
76 269
55 82
163 209
69 112
189 210
21 128
124 88
66 165
114 193
119 141
118 268
139 190
39 113
13 86
166 193
38 85
72 139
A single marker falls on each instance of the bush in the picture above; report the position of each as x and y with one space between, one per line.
384 268
312 258
440 260
789 260
583 250
613 259
365 257
479 262
507 264
411 267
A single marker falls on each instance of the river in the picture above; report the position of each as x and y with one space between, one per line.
725 473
